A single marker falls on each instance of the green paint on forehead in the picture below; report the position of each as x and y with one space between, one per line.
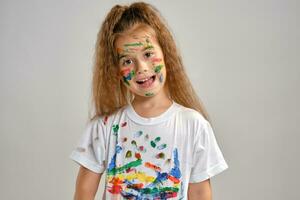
133 44
158 68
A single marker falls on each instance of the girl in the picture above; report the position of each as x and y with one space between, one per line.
149 133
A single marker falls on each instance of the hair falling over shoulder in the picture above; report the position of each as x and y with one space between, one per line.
108 92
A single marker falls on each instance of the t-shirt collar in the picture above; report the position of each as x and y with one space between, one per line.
151 120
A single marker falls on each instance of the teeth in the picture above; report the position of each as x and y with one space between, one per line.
143 80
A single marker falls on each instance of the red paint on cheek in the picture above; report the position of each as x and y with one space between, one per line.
125 71
156 60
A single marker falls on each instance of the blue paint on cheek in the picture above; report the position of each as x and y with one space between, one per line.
161 78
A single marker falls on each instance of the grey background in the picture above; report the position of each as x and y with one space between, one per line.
242 57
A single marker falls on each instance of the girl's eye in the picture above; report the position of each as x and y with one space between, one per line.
148 54
127 62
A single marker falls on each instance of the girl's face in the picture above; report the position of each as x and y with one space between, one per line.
141 62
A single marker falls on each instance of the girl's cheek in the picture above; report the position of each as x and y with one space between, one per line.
161 78
156 60
157 63
127 74
158 67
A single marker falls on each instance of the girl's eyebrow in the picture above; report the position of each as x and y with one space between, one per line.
148 47
120 56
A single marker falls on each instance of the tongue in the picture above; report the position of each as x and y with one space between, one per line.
147 83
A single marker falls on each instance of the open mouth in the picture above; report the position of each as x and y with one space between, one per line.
147 82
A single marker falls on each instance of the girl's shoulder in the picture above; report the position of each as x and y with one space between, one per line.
105 120
191 114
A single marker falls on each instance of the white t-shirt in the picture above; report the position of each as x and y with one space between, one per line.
150 158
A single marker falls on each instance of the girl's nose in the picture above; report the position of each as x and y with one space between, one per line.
140 72
142 67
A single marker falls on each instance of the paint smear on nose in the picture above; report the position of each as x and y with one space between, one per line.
149 94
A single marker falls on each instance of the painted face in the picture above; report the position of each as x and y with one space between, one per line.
141 63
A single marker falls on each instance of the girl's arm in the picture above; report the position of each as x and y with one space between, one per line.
200 191
86 184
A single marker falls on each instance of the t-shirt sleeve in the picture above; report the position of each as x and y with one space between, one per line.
208 159
90 150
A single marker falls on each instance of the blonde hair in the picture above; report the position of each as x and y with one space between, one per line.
108 92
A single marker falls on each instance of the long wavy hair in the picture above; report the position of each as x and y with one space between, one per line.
108 92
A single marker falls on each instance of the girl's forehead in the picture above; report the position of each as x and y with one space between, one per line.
137 36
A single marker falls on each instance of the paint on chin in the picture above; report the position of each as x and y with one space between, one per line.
149 94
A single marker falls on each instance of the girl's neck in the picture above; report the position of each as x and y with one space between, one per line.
152 106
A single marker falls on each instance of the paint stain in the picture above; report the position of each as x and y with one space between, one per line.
127 75
118 149
122 169
105 120
160 156
146 137
126 81
149 46
133 44
115 128
128 154
149 94
124 139
130 170
133 49
138 134
161 147
158 68
137 155
133 142
115 189
152 166
157 139
136 186
156 59
161 78
142 149
168 161
123 124
173 179
125 71
176 170
119 50
153 144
